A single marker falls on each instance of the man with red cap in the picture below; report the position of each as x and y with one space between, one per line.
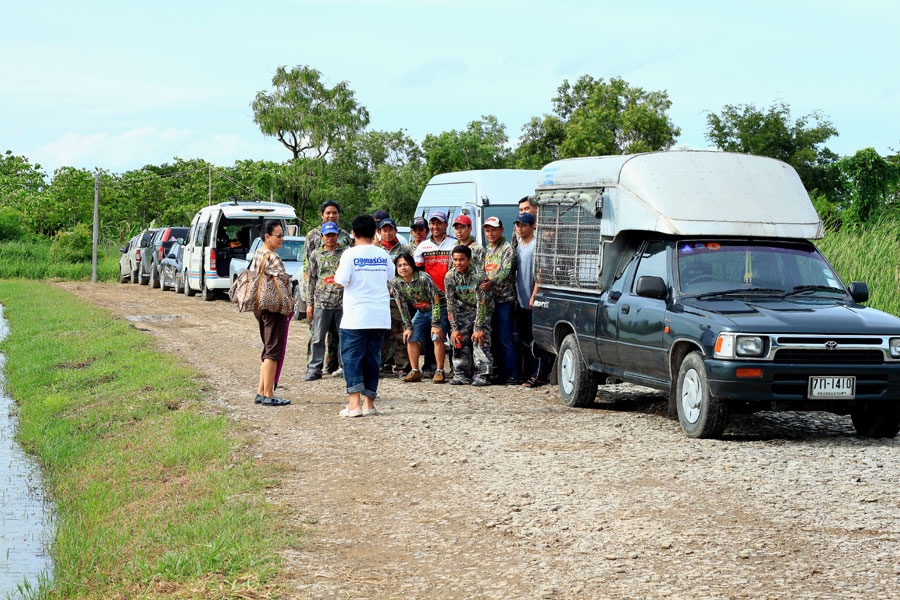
462 227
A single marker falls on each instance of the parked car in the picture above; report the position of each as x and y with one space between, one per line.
220 233
291 253
692 273
160 243
134 254
146 260
478 194
171 269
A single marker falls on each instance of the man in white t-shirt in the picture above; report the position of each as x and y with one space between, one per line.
364 272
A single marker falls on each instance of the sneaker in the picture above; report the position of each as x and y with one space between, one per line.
413 377
346 412
458 381
259 399
369 412
339 372
312 376
274 401
480 381
438 376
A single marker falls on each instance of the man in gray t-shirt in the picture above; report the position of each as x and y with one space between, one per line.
535 365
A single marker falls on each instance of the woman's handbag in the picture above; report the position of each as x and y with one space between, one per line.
254 290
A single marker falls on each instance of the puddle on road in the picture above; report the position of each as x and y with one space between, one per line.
26 513
136 318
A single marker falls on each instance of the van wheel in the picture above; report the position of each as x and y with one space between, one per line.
876 420
207 294
187 287
577 383
701 414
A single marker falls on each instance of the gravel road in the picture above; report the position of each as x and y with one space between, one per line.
501 492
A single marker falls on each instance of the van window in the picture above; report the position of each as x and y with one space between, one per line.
449 194
201 233
653 262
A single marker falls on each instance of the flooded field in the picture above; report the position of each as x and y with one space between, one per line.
26 514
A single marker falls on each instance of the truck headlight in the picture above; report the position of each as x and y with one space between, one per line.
895 347
749 345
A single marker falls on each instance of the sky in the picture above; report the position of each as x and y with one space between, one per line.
118 85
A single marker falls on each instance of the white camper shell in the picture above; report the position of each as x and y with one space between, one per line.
479 194
587 206
220 233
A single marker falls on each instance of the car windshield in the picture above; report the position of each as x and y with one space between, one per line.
291 250
710 268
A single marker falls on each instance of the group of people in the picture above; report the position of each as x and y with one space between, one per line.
376 304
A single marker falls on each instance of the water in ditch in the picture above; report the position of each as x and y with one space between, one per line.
26 513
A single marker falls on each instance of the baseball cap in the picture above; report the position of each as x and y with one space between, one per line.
525 219
420 222
329 228
493 222
380 214
439 215
387 221
462 220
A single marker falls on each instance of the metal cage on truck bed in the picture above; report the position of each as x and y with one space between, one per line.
569 252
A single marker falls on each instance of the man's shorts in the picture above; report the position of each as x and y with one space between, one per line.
421 325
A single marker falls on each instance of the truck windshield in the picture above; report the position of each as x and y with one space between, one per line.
709 268
291 250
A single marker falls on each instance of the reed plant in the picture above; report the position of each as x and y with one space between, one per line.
30 259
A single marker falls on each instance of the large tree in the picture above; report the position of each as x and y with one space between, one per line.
772 132
481 145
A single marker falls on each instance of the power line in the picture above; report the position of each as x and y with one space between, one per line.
122 183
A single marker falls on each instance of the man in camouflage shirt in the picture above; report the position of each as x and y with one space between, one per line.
324 308
469 308
331 212
500 266
462 228
393 350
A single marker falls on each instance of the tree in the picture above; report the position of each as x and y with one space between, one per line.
872 180
597 117
305 115
770 132
482 145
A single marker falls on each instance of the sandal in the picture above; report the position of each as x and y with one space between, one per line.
532 382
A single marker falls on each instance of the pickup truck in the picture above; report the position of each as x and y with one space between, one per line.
291 253
692 273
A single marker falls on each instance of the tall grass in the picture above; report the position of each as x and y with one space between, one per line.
870 254
155 496
31 260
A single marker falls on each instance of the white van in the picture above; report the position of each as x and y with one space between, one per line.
480 195
219 233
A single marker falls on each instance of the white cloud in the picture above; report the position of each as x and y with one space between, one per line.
148 145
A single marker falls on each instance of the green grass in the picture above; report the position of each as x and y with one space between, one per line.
156 497
31 260
870 254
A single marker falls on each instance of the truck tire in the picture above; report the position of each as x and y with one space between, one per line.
577 383
206 294
299 305
701 414
135 277
187 286
122 278
876 420
154 277
176 286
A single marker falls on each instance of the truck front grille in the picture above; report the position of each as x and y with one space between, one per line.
829 357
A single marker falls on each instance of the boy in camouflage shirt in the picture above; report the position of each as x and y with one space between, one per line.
469 310
500 266
325 305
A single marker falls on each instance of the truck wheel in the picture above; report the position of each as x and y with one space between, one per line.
187 286
298 313
135 277
154 277
122 278
701 414
876 420
577 383
206 294
177 285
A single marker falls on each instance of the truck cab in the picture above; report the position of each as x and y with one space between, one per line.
692 273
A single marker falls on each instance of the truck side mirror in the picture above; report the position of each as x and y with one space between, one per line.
652 287
123 250
859 291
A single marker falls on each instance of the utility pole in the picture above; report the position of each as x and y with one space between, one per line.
210 185
271 195
96 236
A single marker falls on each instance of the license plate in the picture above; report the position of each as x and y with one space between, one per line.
832 387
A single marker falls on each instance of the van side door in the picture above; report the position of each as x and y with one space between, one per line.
194 265
641 320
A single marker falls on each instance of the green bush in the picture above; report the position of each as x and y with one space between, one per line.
12 224
72 246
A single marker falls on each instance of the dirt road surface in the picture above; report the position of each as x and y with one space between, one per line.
505 493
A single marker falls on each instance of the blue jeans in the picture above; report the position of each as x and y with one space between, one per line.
421 325
505 348
361 355
428 347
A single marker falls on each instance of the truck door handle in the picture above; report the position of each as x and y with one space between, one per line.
626 308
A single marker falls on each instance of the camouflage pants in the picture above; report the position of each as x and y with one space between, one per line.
393 350
332 351
469 359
